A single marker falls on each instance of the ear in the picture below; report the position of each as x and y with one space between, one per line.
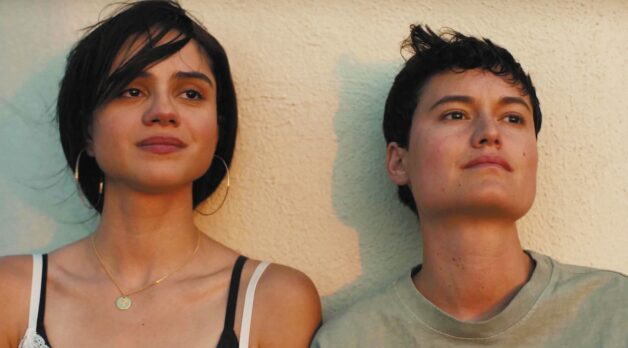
396 164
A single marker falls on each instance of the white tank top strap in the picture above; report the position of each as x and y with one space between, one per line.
245 327
31 339
35 291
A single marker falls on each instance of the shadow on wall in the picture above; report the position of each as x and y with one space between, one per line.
39 206
363 196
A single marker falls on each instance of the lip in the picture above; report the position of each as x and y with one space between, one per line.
161 144
488 161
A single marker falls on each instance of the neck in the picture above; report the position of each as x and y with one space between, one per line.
143 236
471 268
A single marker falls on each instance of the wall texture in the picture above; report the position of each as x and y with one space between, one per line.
308 182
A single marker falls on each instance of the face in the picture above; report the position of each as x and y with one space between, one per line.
161 132
472 148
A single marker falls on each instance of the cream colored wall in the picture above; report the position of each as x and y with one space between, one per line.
308 183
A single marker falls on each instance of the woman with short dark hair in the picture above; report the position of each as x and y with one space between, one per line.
147 116
461 123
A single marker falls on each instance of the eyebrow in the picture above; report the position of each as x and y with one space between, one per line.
468 100
514 100
194 75
182 75
452 98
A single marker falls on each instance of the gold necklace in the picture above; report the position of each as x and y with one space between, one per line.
123 302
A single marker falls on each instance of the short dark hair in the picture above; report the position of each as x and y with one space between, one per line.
434 53
89 82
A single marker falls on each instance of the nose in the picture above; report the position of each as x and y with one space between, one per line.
486 133
161 112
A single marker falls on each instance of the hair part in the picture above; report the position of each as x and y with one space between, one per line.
90 81
433 53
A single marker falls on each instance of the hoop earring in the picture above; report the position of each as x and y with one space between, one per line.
224 163
101 183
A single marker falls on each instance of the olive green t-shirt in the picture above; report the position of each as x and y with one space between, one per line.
560 306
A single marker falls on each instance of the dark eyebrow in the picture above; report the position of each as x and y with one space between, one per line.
514 100
452 98
469 100
180 75
194 75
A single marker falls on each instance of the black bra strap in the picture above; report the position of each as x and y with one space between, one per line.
42 298
233 293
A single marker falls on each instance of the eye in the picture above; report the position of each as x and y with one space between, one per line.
516 119
454 115
131 93
192 94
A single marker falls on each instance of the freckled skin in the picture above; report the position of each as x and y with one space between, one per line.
439 147
471 165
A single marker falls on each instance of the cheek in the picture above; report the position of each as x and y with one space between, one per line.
207 132
207 140
527 180
203 123
432 161
109 141
107 135
529 160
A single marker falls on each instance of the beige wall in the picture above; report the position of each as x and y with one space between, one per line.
308 182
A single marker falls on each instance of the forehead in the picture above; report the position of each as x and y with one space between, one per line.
476 83
190 55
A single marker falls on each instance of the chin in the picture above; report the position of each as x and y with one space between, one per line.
496 204
500 206
171 174
496 210
157 184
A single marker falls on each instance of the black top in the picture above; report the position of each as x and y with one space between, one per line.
228 338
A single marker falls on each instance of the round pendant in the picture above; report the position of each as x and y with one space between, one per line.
123 303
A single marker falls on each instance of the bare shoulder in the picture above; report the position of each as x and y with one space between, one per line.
282 284
289 309
16 274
